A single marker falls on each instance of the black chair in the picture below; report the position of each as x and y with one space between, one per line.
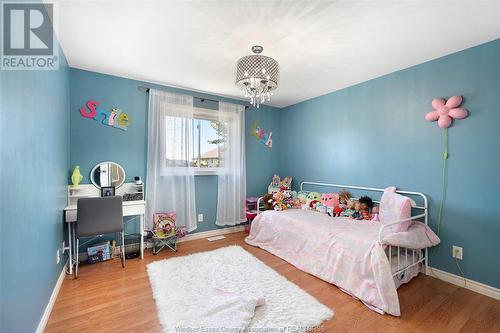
99 216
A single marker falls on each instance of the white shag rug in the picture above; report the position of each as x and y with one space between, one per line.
182 285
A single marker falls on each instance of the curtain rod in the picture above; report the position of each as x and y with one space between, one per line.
147 89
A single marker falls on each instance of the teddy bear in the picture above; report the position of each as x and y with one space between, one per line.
268 201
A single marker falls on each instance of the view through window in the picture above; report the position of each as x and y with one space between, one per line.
209 139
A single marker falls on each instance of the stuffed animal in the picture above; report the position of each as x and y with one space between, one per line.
280 201
344 197
277 200
296 204
278 206
268 201
312 204
302 196
320 207
279 185
330 199
286 183
337 211
312 196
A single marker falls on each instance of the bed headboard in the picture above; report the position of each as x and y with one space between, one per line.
423 206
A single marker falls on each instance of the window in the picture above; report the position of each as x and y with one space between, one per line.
197 142
209 139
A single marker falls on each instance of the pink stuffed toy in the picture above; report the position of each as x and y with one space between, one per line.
330 199
446 110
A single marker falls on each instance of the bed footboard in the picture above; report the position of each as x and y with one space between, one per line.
402 258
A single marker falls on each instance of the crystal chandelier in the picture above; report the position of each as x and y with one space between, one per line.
257 76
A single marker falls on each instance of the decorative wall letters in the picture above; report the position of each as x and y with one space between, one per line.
114 118
260 134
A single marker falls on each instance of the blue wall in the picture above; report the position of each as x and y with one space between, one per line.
370 134
34 150
374 134
92 142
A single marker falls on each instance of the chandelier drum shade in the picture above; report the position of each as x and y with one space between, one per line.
258 76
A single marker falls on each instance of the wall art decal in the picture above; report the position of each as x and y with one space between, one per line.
114 118
260 134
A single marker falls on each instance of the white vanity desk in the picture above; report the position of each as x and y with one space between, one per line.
130 208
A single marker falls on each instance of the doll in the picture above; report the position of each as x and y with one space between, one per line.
365 215
349 211
357 211
366 204
344 196
374 215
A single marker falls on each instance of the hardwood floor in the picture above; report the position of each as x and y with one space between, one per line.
107 298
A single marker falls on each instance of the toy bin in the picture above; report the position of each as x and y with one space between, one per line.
98 252
132 246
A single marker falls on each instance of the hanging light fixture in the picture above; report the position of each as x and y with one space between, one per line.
257 76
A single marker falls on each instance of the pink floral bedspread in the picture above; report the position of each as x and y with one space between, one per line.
340 251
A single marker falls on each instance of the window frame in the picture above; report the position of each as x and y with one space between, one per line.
211 115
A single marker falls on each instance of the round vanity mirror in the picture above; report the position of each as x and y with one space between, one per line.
107 174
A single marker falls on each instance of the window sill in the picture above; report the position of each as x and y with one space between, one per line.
205 173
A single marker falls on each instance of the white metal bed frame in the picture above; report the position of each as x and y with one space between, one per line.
417 256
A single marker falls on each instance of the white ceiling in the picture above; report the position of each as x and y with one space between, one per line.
320 46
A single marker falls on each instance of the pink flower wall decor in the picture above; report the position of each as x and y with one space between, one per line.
446 110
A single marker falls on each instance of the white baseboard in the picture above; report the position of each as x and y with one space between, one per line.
52 300
211 233
478 287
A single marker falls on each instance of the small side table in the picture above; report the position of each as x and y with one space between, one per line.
250 211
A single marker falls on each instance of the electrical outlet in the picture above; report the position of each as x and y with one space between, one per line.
457 252
58 256
200 217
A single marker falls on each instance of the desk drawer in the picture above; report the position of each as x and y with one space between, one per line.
129 210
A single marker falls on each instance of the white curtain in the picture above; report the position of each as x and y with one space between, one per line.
232 172
170 173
